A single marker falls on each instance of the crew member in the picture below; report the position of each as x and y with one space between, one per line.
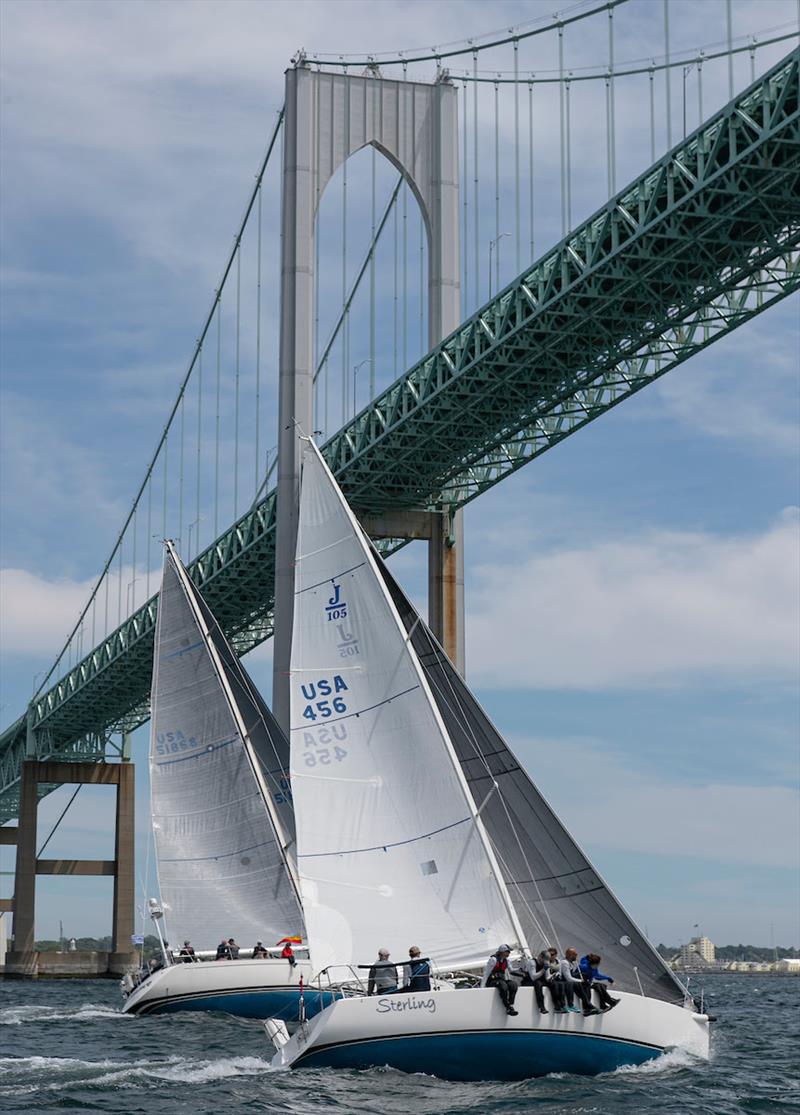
497 974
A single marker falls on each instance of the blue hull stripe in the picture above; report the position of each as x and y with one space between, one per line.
485 1055
256 1002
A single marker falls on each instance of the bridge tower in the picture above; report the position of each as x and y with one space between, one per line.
328 118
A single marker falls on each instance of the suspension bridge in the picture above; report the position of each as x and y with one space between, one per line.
501 358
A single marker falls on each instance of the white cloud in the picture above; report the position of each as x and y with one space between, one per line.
663 608
750 390
37 614
611 806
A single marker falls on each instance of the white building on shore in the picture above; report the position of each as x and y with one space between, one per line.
700 950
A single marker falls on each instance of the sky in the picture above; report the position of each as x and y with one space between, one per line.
633 596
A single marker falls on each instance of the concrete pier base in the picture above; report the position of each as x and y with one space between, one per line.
22 960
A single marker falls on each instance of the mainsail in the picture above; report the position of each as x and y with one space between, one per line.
221 806
559 897
390 849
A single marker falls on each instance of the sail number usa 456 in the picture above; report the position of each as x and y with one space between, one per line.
324 701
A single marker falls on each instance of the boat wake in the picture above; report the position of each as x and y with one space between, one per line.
19 1016
20 1075
673 1061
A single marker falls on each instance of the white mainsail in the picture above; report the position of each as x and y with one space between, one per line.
221 807
390 848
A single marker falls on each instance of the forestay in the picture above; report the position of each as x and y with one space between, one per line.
559 897
222 814
390 852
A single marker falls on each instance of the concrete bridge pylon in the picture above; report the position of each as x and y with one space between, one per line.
328 117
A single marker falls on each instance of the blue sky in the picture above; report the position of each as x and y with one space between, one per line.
632 595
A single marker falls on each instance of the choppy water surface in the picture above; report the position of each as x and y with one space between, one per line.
64 1046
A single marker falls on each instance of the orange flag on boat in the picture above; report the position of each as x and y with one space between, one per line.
290 941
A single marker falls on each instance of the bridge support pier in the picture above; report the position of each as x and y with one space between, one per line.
22 959
443 532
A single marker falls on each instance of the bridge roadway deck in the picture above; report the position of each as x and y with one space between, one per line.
705 239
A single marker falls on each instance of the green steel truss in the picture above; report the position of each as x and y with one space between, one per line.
706 239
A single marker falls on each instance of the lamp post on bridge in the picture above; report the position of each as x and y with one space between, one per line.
492 245
356 369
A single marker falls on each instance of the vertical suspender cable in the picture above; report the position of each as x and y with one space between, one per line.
345 331
394 298
465 304
133 564
475 190
667 74
107 579
608 135
518 259
496 187
258 347
729 25
315 230
422 345
236 380
199 442
216 419
119 588
530 169
372 285
700 90
181 440
562 136
752 62
149 542
166 477
405 235
569 156
612 115
652 117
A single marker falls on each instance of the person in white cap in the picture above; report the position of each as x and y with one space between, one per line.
498 974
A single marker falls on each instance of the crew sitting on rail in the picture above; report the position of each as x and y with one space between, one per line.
186 954
532 974
498 974
595 979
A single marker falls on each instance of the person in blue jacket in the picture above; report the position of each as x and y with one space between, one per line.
417 972
596 980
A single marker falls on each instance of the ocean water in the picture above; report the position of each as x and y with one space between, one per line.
64 1046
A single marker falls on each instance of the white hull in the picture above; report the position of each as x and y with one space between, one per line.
467 1035
249 988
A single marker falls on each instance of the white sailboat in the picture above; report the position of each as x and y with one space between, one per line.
222 820
416 825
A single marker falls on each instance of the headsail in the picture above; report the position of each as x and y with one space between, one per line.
222 813
558 895
390 851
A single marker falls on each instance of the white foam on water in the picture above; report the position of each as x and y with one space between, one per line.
202 1072
18 1016
668 1062
71 1071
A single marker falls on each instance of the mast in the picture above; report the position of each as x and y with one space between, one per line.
277 828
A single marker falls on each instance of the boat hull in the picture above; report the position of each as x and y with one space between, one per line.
467 1035
247 988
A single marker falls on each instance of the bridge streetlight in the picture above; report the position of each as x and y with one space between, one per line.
356 369
492 245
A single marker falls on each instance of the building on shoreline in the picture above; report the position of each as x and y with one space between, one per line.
699 952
